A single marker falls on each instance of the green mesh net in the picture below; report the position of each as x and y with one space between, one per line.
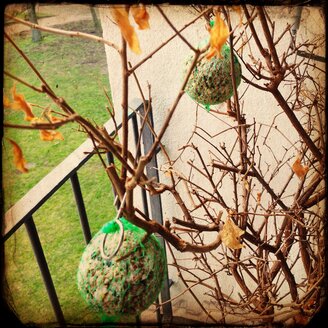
130 282
210 82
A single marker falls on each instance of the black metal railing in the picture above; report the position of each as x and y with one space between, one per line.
22 212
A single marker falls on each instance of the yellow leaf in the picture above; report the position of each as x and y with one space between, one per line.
21 104
299 169
141 16
230 235
19 159
218 36
168 173
246 184
49 135
121 17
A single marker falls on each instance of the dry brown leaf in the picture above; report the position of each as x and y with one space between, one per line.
258 198
49 135
230 235
299 169
121 17
141 16
20 103
19 159
218 36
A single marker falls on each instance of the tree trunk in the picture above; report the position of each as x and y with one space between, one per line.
36 34
95 20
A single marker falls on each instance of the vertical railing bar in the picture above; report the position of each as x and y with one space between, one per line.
135 130
156 209
44 269
136 139
80 207
110 160
143 191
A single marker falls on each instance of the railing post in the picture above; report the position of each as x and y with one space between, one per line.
110 160
80 207
136 136
156 209
135 130
138 153
44 269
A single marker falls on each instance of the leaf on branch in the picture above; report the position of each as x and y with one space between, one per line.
121 17
218 36
230 235
54 119
20 103
49 135
19 159
258 198
299 169
141 16
246 184
48 117
168 172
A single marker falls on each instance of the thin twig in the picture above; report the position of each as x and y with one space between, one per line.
18 79
66 33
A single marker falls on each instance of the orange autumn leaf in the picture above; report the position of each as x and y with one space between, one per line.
19 159
49 135
218 36
299 169
54 119
121 17
141 16
21 104
230 235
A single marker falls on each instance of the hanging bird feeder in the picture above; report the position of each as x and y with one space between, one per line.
128 280
210 82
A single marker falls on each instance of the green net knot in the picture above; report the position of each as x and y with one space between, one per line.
113 227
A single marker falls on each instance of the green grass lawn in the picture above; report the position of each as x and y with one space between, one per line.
77 70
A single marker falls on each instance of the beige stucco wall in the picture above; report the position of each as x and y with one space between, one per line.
164 73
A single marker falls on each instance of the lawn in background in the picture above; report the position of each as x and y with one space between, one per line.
76 69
